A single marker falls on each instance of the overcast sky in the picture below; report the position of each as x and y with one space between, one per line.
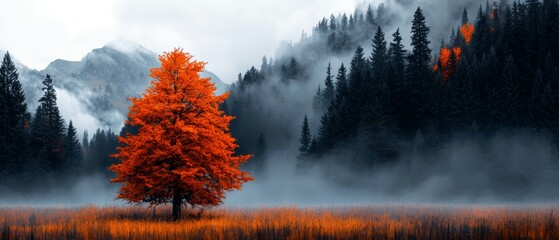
231 35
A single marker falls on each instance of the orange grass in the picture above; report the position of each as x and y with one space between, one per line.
359 222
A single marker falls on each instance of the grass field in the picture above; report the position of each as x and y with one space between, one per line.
359 222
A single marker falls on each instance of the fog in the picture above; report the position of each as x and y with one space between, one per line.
517 168
514 167
72 109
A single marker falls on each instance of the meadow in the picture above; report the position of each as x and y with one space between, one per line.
389 221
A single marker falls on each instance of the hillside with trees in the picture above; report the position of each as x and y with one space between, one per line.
495 76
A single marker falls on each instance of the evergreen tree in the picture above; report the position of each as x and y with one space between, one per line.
421 53
14 119
379 54
481 39
305 139
344 22
329 90
397 53
418 76
341 85
333 24
317 103
369 16
102 146
85 142
358 90
333 123
72 149
465 18
395 82
48 129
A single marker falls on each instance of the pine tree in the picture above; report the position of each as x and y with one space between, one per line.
48 129
397 53
341 85
333 123
465 18
333 23
14 119
344 22
369 16
317 103
358 90
72 149
305 139
379 54
418 76
85 142
329 90
481 37
421 53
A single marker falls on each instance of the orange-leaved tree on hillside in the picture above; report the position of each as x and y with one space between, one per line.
183 151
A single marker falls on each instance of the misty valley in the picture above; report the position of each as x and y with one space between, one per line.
400 119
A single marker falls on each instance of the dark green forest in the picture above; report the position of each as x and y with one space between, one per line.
502 81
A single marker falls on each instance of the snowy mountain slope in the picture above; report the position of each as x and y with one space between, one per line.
100 83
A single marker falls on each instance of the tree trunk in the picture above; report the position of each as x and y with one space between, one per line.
177 204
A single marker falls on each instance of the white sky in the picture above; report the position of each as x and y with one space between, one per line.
231 35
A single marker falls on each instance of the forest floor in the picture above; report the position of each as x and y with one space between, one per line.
389 221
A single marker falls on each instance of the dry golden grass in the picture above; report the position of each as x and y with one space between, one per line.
360 222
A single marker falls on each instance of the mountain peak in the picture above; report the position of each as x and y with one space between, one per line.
126 46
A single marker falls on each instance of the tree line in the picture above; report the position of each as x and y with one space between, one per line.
501 79
496 74
41 150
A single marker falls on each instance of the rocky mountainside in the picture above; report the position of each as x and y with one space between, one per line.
100 83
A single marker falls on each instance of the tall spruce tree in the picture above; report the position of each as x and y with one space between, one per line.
358 90
14 119
306 138
317 103
329 90
48 129
481 37
379 54
85 142
397 54
419 75
72 149
369 15
333 123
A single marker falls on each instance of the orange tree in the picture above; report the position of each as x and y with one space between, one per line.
183 151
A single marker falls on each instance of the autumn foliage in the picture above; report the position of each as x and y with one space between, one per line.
183 152
448 61
467 31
